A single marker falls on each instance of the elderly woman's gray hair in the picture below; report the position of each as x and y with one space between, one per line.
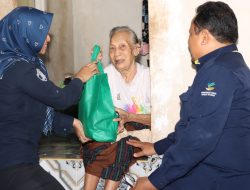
134 38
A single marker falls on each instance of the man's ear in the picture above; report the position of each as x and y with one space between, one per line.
136 49
204 34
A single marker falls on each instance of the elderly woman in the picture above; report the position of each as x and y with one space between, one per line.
130 88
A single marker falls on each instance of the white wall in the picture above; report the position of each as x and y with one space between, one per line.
6 6
60 58
171 71
93 19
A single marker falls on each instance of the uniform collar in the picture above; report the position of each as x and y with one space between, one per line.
201 61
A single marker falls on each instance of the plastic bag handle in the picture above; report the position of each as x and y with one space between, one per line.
96 51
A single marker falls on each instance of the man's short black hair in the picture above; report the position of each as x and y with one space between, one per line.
219 19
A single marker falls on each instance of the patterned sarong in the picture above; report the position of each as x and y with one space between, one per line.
108 160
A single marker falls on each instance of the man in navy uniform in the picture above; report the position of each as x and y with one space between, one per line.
210 147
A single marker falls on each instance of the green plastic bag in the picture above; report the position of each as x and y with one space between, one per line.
96 108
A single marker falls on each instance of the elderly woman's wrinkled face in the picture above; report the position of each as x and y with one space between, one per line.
121 51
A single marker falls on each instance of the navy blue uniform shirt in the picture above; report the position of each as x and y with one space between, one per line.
210 148
25 93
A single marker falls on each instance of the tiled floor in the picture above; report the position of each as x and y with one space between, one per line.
60 156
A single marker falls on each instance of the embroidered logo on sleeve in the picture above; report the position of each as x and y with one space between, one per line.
210 90
40 75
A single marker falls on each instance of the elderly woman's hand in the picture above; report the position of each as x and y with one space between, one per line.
100 55
123 115
121 124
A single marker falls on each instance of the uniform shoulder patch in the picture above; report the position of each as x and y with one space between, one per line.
40 75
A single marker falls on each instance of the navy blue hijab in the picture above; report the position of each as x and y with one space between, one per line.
22 35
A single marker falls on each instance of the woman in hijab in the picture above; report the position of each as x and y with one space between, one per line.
28 99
